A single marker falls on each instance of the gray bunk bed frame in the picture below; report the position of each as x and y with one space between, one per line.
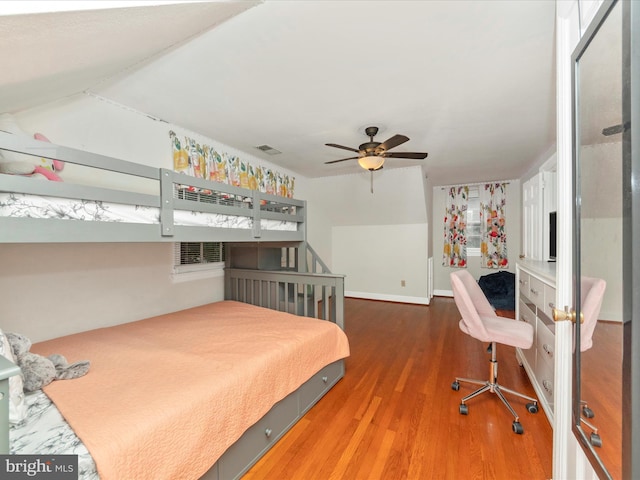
314 294
225 199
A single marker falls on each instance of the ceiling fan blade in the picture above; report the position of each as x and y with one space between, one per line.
341 160
411 155
393 142
614 129
342 147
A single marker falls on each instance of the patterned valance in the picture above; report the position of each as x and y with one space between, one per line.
204 161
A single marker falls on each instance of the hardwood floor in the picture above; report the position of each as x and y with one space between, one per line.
394 414
602 388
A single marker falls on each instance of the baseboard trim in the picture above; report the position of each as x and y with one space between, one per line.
388 298
443 293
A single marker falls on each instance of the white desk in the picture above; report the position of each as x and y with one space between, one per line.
536 295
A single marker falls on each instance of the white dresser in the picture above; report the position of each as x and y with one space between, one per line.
536 294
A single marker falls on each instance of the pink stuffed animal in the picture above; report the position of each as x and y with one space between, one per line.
26 165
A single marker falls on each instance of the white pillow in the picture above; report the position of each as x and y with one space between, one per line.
17 405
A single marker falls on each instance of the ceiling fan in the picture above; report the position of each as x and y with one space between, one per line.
371 155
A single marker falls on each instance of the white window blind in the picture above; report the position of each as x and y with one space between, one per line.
189 253
196 260
473 222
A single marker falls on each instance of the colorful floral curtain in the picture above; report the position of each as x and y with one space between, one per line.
455 228
493 246
204 161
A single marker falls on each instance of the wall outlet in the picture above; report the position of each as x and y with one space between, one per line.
403 283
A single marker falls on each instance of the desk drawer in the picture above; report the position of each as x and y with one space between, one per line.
526 315
549 300
545 343
523 283
544 377
536 292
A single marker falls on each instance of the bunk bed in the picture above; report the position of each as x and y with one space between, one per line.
179 209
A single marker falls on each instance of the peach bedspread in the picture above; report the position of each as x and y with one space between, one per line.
166 396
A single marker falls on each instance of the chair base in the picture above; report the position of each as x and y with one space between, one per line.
594 438
492 386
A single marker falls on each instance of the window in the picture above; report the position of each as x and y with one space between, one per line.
473 222
194 260
200 252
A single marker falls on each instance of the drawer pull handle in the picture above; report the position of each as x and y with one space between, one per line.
548 350
552 305
268 432
534 291
547 386
325 379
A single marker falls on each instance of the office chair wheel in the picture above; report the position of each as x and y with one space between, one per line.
517 428
587 412
532 407
596 441
455 386
464 409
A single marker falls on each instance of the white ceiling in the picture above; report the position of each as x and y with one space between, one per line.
470 82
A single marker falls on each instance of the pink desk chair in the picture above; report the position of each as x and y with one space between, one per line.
591 295
481 322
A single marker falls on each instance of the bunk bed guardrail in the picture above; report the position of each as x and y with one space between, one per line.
173 192
313 295
7 370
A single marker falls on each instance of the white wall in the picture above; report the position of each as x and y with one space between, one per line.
383 262
601 222
513 210
350 228
51 290
55 289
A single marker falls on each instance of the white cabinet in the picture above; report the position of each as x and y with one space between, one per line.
536 293
532 199
539 198
549 204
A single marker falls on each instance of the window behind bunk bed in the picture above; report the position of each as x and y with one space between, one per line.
192 260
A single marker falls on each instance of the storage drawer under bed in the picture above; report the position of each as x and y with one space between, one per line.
314 388
259 438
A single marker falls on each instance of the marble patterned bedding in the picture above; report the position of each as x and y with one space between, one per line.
45 431
34 206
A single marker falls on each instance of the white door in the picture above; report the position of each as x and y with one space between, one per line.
589 217
565 461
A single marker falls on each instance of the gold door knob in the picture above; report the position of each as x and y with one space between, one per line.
566 314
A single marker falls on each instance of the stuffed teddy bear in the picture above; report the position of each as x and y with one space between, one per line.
20 164
39 371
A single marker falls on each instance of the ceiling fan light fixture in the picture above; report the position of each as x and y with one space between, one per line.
371 162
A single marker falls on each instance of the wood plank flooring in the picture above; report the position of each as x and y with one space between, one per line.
602 389
394 414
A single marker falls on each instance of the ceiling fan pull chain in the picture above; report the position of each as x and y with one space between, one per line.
371 181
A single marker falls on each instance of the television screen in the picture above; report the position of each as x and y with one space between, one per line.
552 235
